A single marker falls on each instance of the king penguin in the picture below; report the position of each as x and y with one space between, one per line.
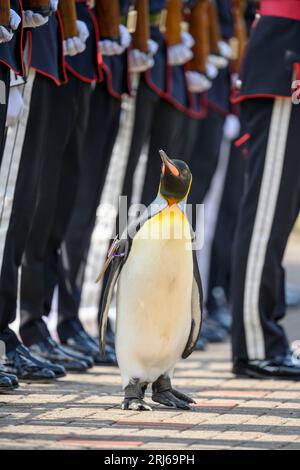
159 294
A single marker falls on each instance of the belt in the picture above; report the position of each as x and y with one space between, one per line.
283 8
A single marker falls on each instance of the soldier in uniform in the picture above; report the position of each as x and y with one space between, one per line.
13 234
270 106
10 30
102 130
46 59
66 110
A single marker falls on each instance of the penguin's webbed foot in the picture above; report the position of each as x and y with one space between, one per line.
162 392
135 404
134 394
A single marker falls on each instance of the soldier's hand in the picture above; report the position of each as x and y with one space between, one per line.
140 61
33 20
211 70
15 106
83 32
197 82
15 20
5 34
53 5
73 46
179 54
231 127
77 44
187 39
110 47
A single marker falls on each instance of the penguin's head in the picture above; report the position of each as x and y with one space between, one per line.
175 180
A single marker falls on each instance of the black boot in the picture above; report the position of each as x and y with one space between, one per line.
51 351
283 367
73 335
21 363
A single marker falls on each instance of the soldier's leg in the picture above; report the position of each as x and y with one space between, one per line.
266 217
146 104
69 178
100 137
17 213
55 138
166 131
219 272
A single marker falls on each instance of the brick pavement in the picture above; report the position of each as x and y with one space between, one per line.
82 411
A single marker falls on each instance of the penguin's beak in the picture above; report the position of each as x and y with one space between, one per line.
167 163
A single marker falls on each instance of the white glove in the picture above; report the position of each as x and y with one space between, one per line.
197 82
53 5
83 32
179 54
187 39
140 61
231 127
211 71
218 61
225 49
77 44
15 106
152 47
5 35
125 37
15 20
109 47
73 46
33 20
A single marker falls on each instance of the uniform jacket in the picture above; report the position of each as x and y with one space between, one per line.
272 57
87 65
170 82
11 53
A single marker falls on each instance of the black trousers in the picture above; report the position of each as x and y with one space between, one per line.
204 157
54 138
4 90
266 217
102 130
222 245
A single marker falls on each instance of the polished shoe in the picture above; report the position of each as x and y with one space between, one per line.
21 363
55 353
283 367
58 370
88 360
83 343
5 383
13 378
212 332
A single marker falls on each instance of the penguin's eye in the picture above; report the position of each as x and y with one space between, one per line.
184 172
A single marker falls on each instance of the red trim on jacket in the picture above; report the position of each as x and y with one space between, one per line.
98 77
241 98
22 71
63 64
283 8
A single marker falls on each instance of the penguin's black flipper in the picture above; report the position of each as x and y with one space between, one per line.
197 307
115 270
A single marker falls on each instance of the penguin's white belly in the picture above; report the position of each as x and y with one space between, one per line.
153 307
